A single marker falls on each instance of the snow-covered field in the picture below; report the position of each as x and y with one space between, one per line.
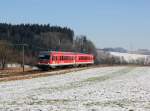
131 57
98 89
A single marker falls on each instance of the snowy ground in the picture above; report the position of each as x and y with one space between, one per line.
131 57
97 89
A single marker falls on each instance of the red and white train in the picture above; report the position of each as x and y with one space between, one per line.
52 59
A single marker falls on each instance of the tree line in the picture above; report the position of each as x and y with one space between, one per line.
38 37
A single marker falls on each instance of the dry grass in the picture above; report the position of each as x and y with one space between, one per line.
14 70
17 74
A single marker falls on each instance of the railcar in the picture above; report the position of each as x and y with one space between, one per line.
53 59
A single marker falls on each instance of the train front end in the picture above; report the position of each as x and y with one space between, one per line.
44 60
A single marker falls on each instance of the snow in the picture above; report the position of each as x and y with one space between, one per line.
98 89
130 57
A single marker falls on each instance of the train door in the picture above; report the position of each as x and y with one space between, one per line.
56 59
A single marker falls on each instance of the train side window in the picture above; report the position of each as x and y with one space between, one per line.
64 58
53 57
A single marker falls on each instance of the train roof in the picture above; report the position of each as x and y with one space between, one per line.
63 52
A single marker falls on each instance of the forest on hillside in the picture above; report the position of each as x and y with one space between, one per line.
39 37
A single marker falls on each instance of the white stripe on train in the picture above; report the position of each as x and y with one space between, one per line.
62 64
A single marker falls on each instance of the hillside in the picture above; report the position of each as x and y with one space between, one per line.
131 58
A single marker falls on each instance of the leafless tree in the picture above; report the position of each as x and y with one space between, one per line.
5 53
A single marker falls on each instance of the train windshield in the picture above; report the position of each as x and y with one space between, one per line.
44 57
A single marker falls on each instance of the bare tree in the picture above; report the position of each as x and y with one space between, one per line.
5 53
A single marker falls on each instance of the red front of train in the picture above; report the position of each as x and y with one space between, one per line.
52 59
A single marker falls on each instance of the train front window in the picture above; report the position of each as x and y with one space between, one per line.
44 57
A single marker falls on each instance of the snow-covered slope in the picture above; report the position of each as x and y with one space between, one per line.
130 57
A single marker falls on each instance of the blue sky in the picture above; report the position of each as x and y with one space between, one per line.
108 23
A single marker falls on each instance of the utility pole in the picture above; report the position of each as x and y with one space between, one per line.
23 48
59 44
23 57
23 61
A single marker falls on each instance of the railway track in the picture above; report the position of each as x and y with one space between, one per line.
38 73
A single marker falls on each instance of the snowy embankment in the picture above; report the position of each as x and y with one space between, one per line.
129 58
97 89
